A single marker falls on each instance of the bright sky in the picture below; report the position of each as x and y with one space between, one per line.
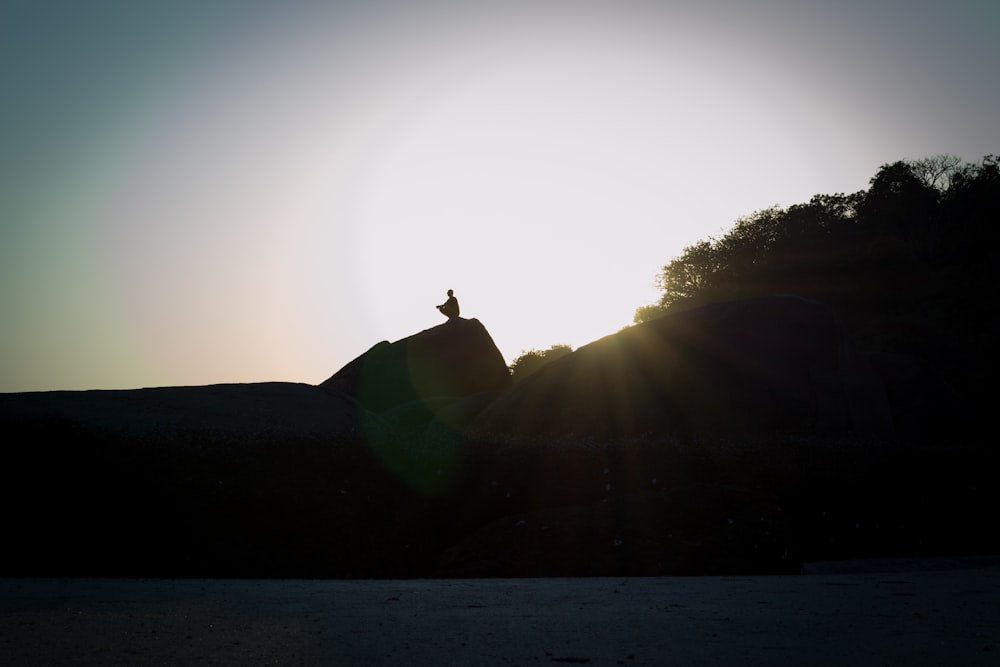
206 191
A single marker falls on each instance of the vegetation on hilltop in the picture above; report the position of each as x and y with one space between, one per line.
911 264
531 361
925 228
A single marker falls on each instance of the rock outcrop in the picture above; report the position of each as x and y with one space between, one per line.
454 360
402 463
742 369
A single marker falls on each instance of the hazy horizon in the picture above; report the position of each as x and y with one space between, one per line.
224 191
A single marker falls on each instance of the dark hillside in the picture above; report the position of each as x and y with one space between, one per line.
910 265
772 467
738 432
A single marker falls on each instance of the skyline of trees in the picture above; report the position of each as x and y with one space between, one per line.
911 264
530 361
916 215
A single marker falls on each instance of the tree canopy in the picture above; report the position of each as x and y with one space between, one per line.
917 219
910 263
532 360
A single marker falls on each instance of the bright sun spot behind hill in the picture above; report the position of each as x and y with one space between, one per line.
242 193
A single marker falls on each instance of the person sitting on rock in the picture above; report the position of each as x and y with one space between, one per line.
450 307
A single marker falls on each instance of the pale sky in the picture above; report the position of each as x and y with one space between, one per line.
209 191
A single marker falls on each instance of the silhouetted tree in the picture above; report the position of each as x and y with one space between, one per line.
972 210
743 250
531 361
937 171
911 264
647 313
812 253
900 214
689 278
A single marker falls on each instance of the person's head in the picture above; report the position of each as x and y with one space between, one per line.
450 292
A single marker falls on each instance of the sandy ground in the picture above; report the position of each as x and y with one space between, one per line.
869 613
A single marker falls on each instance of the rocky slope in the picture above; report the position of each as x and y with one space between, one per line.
738 437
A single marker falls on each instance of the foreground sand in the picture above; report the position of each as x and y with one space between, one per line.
871 613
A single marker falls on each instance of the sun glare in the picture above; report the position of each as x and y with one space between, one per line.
529 189
270 192
539 177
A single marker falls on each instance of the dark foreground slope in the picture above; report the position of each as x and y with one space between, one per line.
744 450
739 369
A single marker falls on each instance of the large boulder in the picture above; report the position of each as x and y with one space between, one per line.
454 360
739 369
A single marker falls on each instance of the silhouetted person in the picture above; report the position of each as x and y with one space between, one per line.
449 307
